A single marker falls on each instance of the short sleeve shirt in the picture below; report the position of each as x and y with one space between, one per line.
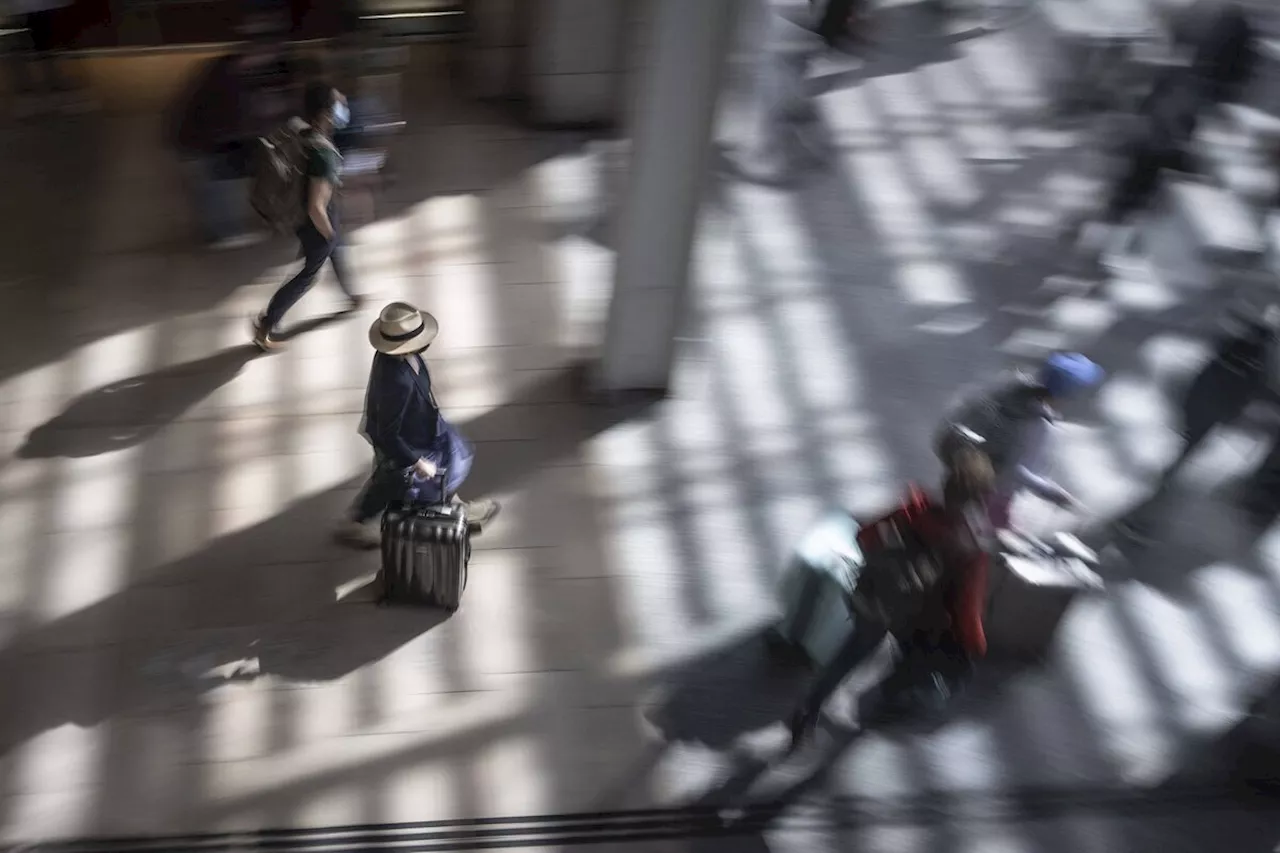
324 162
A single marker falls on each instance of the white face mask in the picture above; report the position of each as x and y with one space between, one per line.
341 115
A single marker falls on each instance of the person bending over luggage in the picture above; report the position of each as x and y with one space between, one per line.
925 565
1014 425
412 442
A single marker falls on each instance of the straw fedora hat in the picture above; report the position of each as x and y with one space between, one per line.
402 329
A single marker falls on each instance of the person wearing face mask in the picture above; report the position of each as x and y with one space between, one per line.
324 111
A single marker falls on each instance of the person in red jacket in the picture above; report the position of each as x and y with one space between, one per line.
938 551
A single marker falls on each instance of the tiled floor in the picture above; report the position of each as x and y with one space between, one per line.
183 650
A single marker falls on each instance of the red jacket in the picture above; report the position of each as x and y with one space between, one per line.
966 565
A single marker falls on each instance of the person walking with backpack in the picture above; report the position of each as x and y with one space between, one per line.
324 111
412 442
1014 426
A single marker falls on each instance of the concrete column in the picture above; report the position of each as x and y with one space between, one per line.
673 117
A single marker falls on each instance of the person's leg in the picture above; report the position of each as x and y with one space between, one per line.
338 259
458 468
862 643
384 486
1135 187
933 667
315 250
1193 435
833 23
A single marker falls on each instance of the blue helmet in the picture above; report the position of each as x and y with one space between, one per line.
1067 373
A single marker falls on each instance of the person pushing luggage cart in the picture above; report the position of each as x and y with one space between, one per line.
924 570
412 442
1014 425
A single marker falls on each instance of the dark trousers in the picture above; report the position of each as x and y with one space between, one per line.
862 643
1216 397
315 251
833 23
386 485
1139 177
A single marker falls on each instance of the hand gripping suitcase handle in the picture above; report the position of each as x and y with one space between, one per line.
441 475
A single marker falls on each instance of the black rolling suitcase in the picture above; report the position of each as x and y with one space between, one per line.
425 551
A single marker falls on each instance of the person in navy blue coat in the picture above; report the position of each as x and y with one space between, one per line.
414 446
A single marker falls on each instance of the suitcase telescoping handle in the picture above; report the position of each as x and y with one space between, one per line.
442 475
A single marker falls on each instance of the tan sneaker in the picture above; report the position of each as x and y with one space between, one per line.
263 339
480 513
354 534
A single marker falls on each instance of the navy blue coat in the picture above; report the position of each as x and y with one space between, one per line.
402 420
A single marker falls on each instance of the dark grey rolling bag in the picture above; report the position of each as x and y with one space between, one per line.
1032 587
425 550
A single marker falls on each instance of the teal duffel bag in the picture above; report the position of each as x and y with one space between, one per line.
815 588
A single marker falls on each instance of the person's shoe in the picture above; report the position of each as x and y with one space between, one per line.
263 339
355 534
480 513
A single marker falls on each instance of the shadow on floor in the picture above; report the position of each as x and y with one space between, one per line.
130 411
266 595
716 699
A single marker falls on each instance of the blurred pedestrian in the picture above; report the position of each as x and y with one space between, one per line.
1157 142
412 442
231 100
939 548
324 111
1219 44
839 21
1237 374
1014 424
1219 41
